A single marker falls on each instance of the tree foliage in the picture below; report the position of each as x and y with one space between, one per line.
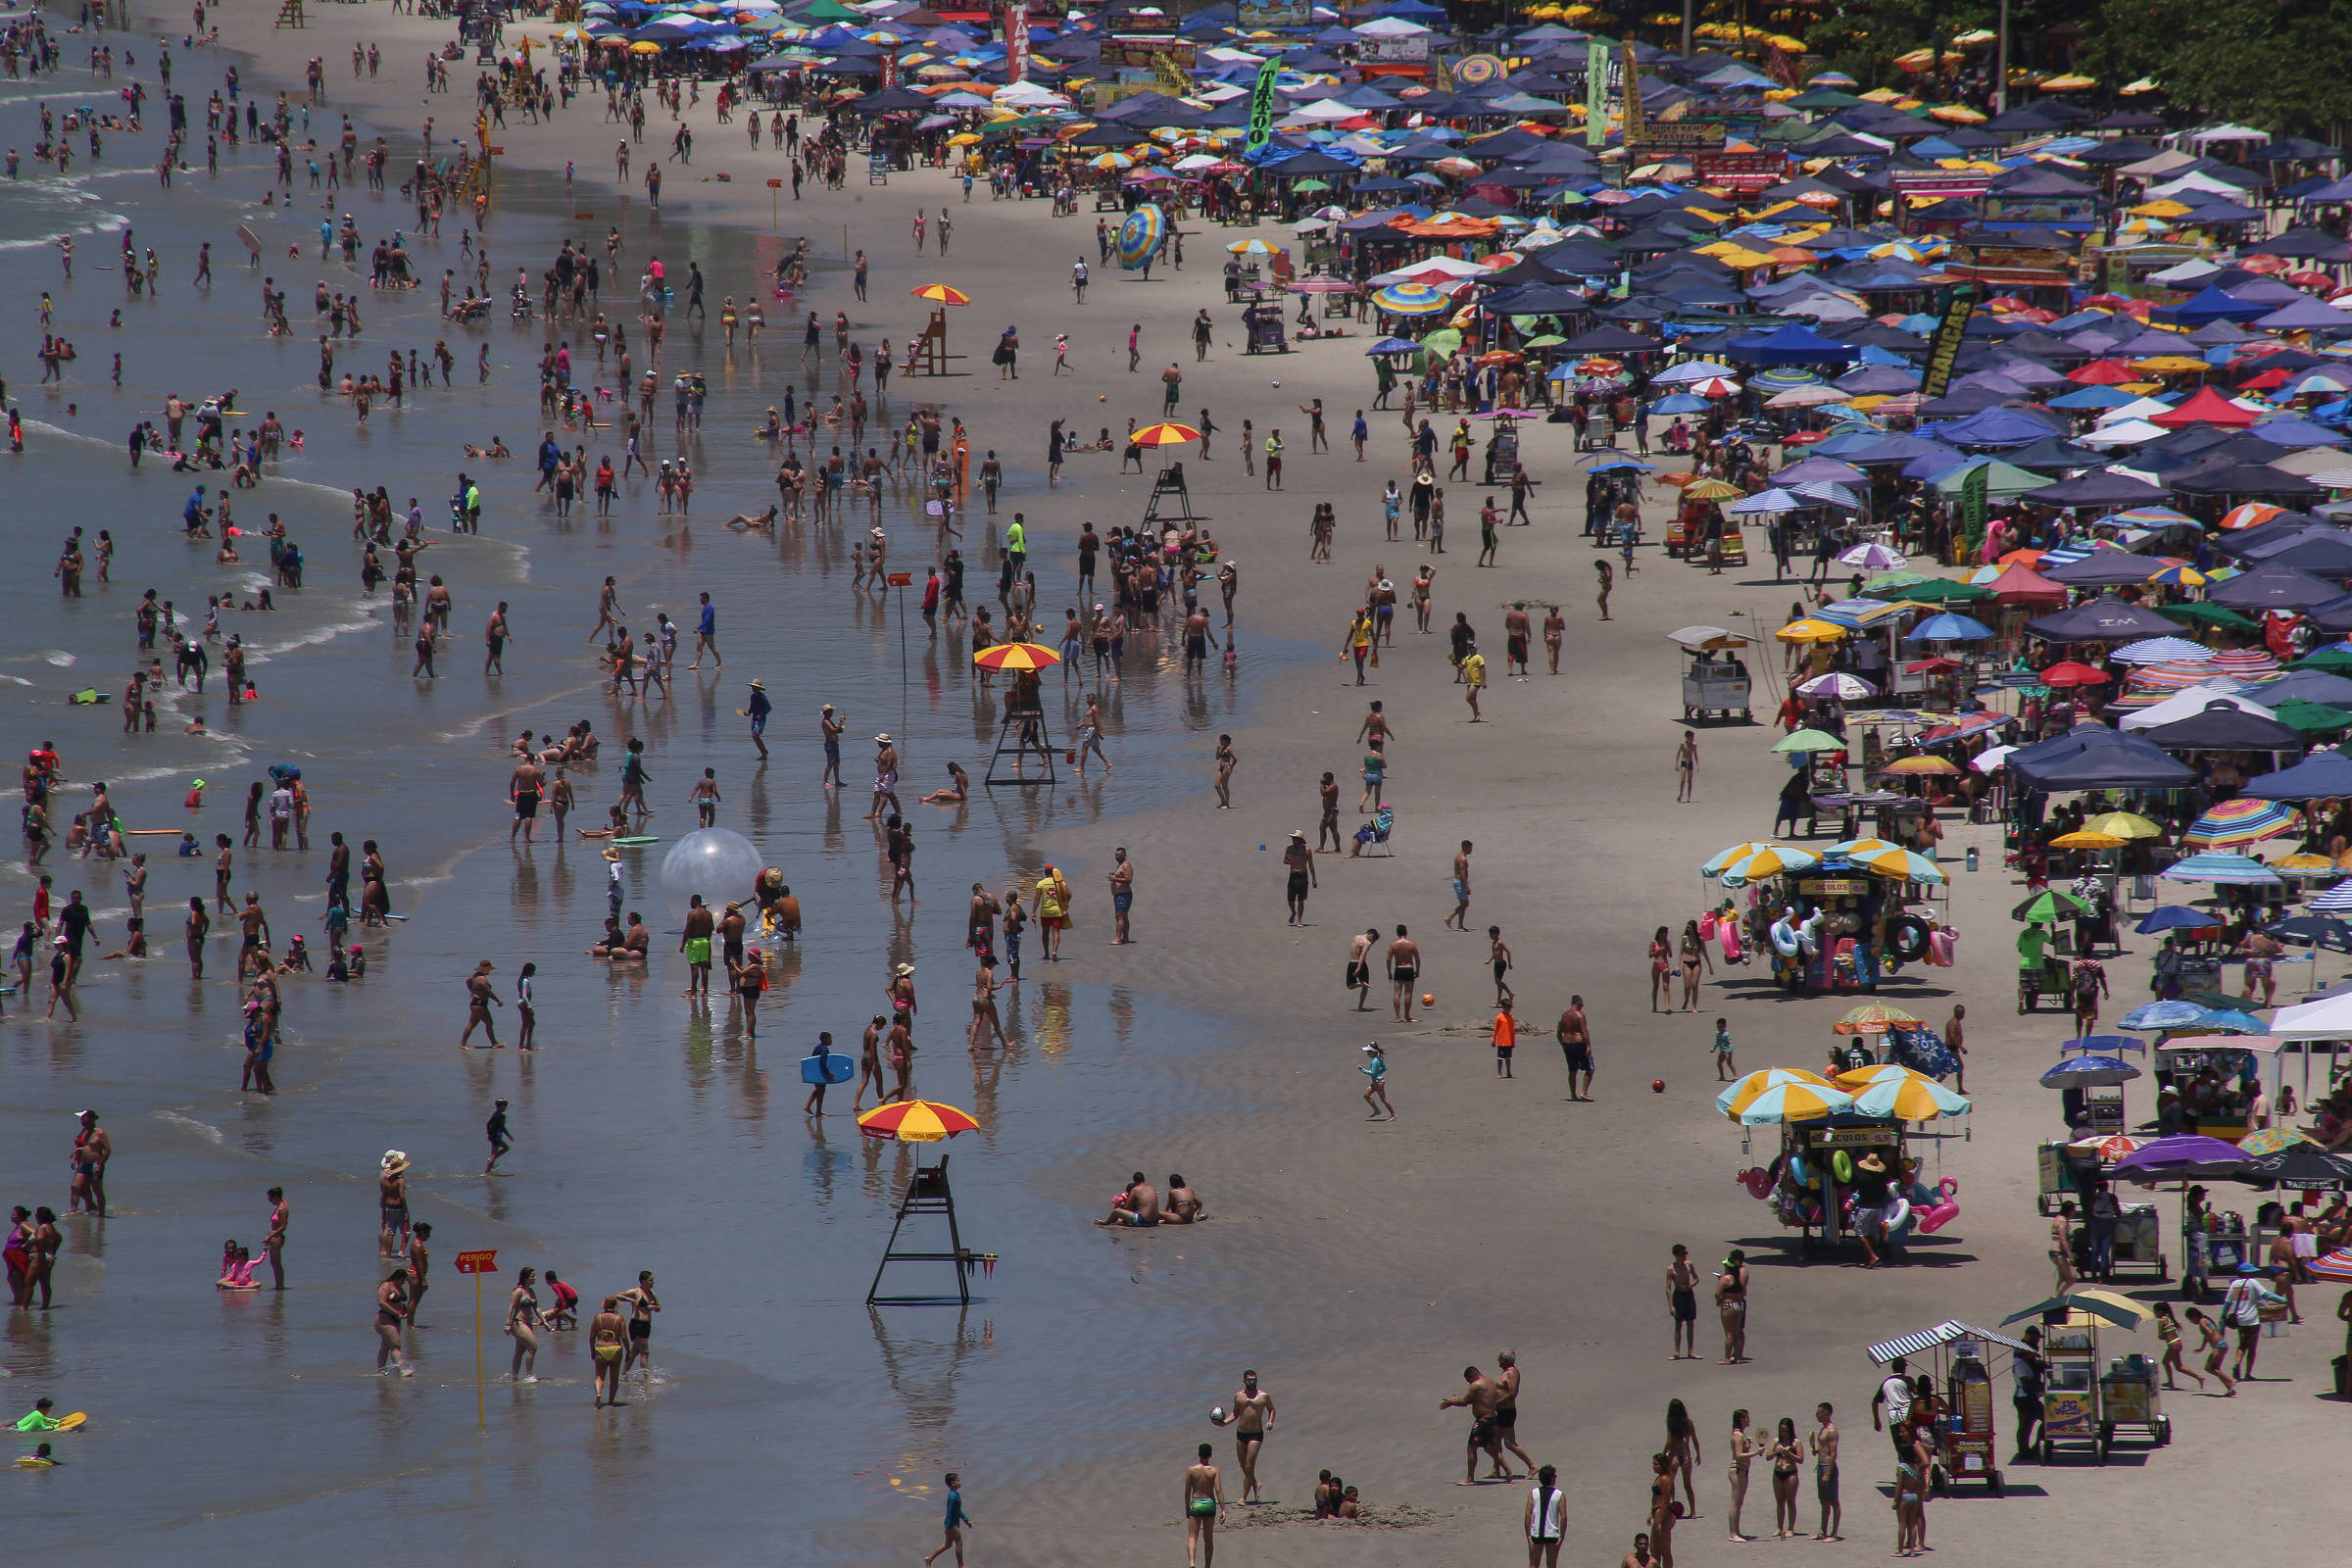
2283 66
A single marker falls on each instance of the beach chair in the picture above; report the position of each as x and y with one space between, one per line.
1383 820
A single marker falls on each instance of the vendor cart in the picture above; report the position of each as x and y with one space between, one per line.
2047 982
1714 679
1965 1442
1262 325
2082 1408
2129 1396
1817 1162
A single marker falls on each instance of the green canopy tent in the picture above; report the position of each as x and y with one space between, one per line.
1945 591
2003 481
2204 615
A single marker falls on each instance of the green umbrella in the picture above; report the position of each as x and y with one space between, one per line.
1442 341
2310 718
1550 340
1944 591
1811 740
1311 184
2203 615
2049 905
2335 661
1892 580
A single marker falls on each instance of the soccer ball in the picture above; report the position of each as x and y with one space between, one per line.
1429 998
1657 1085
1102 397
1216 1415
1278 384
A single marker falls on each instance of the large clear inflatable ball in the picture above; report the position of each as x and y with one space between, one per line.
714 862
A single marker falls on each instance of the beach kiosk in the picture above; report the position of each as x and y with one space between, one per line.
1715 679
1967 1444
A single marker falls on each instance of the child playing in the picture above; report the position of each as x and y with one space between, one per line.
1725 1067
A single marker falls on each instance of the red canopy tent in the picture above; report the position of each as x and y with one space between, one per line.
2023 585
2208 407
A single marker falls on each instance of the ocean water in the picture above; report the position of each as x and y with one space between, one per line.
649 1133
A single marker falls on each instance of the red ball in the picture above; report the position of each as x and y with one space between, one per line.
1657 1085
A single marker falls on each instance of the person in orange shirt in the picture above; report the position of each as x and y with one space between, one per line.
1506 1040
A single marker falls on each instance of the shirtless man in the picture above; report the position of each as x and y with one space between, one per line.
525 789
980 927
1184 1205
985 1021
1359 967
1252 1418
869 1064
886 776
1682 1302
1459 919
391 1310
1480 1397
420 1263
1506 1409
830 727
1138 1205
1203 1507
695 943
1404 970
1576 1043
93 1149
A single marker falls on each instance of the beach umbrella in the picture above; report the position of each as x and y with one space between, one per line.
1809 740
1164 435
2337 900
1851 847
2079 1072
2069 673
1838 684
1736 1096
1812 629
1948 627
2239 821
1792 1101
2312 931
1769 861
1904 864
1715 386
2299 1163
2108 1045
941 294
1142 235
1873 1018
1925 764
1913 1099
2088 841
1253 247
2109 1149
1738 851
2048 906
2164 1014
2223 870
2335 1267
2269 1141
1870 557
2184 1157
1411 299
1017 656
1855 1080
916 1121
1712 490
1322 285
2123 825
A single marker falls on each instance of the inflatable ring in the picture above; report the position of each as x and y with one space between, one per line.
1907 938
1898 1215
1799 1172
1938 1215
1757 1179
1783 941
1841 1166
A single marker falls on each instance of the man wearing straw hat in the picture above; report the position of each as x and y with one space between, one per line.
756 709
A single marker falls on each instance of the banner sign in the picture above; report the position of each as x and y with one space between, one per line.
1016 42
1630 79
1261 108
1943 345
1745 173
1682 135
1973 505
1596 94
1253 14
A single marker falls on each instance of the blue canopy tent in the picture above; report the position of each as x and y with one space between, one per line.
2094 756
2321 776
1794 344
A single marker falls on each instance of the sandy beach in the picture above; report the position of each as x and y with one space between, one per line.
1357 1266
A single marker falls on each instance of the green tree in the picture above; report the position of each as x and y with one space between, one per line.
2280 66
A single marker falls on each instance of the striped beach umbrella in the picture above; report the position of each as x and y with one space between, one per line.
1142 235
2123 825
1736 1096
1738 851
2225 871
941 294
2175 675
1859 849
2243 663
1017 656
1411 299
1169 434
1837 684
1906 865
2239 821
2160 650
1873 1018
1770 861
916 1121
1913 1099
2335 1267
2337 900
1792 1101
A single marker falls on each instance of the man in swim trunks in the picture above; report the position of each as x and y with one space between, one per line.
1138 1205
1480 1397
1682 1302
1252 1418
643 1304
695 943
1404 968
526 788
1576 1043
1203 1507
1506 1409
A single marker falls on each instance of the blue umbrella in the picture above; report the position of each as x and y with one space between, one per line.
1141 236
2104 1045
1680 403
1391 345
1948 628
2080 1072
2169 918
2163 1015
1623 466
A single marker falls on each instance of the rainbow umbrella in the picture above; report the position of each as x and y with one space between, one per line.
2238 821
2336 1267
2269 1141
1736 1097
1873 1018
1412 299
941 294
916 1121
1142 235
1164 435
1017 656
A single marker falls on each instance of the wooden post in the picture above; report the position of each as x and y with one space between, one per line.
477 1264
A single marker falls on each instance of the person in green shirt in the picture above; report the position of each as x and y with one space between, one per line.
2032 943
38 1419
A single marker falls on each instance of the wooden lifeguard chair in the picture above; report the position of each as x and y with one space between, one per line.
930 349
928 1194
289 14
1021 734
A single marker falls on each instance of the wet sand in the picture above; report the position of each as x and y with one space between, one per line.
1356 1266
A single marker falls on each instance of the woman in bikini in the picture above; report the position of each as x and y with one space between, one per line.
1786 1454
391 1312
1743 1451
1682 1446
2167 1329
522 1324
2216 1346
607 1335
1694 954
1661 971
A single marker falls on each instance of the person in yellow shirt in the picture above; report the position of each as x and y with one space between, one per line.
1358 642
1474 681
1052 906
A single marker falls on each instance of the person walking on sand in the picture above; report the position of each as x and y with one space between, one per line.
1252 1418
1405 967
1376 1092
1203 1507
1686 766
1359 967
958 1521
1575 1034
1480 1397
479 1000
1730 1304
1459 919
1300 863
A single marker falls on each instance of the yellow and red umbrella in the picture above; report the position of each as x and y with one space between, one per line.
1872 1018
1923 762
1017 656
1168 434
941 294
916 1121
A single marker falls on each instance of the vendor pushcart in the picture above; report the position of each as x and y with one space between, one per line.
1966 1444
2082 1406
